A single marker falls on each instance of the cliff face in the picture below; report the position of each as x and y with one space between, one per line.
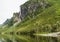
16 17
32 7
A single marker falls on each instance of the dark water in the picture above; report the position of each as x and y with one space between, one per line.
23 38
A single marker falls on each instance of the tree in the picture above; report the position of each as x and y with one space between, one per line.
10 22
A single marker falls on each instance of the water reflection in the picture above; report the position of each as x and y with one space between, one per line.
24 38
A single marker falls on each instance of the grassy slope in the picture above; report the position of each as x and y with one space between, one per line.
50 16
47 18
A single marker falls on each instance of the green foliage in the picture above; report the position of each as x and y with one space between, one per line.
9 22
45 20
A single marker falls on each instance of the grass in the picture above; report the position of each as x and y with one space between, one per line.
48 18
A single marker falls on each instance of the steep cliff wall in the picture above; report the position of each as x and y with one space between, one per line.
16 17
32 7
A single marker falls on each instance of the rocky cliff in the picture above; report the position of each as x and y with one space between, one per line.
30 9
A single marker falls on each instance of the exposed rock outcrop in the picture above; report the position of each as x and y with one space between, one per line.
16 17
30 9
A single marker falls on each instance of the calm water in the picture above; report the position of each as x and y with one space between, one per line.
22 38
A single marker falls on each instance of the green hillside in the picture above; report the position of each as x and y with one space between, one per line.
46 20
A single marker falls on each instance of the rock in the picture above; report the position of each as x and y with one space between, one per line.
31 7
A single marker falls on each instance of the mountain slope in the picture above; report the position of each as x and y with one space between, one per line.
47 20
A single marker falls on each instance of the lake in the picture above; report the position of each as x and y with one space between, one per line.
26 38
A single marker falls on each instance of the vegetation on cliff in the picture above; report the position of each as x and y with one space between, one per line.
37 16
